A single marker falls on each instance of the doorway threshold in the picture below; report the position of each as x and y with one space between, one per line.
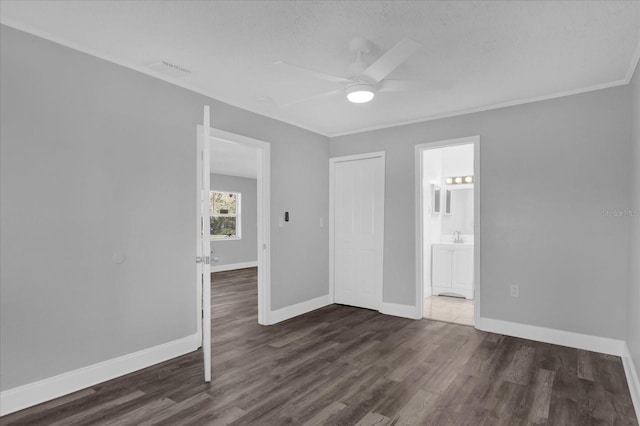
454 310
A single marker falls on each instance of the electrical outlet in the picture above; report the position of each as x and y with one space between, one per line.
515 290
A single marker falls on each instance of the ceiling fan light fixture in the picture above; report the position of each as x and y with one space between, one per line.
360 93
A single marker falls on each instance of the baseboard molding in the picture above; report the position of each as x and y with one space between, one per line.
397 310
632 379
549 335
44 390
573 340
287 312
233 266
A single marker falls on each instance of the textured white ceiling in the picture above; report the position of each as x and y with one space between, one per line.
475 54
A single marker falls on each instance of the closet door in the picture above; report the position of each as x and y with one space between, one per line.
358 230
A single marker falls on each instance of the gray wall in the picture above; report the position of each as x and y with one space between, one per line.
548 170
246 248
633 296
117 151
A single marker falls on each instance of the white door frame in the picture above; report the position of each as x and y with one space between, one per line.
264 221
332 169
419 206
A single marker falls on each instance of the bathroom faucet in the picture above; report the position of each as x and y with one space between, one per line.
457 237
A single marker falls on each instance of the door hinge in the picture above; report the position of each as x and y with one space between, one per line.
203 259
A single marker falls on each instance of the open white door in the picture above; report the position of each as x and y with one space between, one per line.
203 248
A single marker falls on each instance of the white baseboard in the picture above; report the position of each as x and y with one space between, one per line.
44 390
233 266
404 311
549 335
632 379
573 340
287 312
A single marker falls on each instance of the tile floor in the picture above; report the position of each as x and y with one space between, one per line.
450 309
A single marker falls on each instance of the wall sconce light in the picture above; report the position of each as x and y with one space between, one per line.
459 180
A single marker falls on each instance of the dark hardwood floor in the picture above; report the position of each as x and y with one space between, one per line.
346 366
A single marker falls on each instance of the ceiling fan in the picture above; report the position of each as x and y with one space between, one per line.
365 79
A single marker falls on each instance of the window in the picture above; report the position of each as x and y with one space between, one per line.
225 215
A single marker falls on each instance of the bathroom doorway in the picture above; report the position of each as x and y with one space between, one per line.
448 227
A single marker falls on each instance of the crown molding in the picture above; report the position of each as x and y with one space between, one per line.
136 67
634 64
486 108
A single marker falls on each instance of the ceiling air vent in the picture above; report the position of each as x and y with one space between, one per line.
169 69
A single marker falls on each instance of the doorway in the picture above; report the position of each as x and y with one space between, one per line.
447 220
261 156
356 235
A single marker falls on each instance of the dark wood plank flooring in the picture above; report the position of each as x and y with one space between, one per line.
345 366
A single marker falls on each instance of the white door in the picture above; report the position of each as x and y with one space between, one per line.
358 230
203 247
441 268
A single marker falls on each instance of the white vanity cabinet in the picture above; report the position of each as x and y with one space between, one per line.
452 269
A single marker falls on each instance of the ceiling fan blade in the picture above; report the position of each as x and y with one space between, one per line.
390 60
314 73
412 85
315 97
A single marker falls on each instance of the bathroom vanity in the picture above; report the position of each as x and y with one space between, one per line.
452 269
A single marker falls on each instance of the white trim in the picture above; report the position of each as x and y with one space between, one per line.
632 378
264 232
233 266
404 311
484 108
332 166
332 207
355 157
573 340
31 394
287 312
477 234
177 82
264 215
570 339
633 65
419 202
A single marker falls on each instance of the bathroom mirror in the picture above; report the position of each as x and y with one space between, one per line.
460 217
435 197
